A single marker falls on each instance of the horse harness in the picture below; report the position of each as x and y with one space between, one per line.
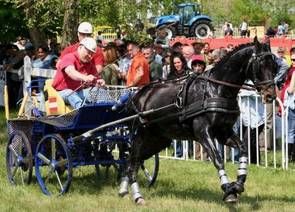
205 104
184 111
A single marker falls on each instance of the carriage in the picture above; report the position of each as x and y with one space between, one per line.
53 144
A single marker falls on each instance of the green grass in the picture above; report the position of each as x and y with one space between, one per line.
181 186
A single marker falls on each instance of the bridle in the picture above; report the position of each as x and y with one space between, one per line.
254 63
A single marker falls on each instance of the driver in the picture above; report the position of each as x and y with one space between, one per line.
75 71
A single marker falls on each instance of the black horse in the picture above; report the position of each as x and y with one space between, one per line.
202 108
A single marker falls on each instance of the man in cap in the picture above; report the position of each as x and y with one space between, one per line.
75 70
85 30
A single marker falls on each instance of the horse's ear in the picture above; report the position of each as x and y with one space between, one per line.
267 43
256 42
255 39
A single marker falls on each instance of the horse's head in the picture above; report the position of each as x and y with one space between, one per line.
262 66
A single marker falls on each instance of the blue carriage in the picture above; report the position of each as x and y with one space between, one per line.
95 134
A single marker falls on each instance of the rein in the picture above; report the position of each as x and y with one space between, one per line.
245 86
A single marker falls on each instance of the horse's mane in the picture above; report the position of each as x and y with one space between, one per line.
228 55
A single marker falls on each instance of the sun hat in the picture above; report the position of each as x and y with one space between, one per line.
89 44
85 27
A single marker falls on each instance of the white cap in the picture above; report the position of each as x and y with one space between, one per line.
89 44
85 27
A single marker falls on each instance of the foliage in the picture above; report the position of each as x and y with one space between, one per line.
46 15
256 12
12 23
142 38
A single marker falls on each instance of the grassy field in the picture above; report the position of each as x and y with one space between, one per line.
181 186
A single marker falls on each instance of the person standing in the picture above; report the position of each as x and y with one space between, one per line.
198 64
243 28
188 51
44 59
288 97
178 66
282 69
110 72
156 69
206 52
228 30
138 73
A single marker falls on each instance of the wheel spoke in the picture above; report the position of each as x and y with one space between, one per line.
146 173
59 181
61 163
43 158
22 176
53 148
13 150
48 175
26 160
15 171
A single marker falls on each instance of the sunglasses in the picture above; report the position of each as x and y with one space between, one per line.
293 59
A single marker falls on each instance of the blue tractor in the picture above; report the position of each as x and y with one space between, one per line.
187 20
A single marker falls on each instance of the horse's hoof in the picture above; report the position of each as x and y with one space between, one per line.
140 201
231 198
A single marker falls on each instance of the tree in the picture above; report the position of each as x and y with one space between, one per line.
11 22
70 22
42 18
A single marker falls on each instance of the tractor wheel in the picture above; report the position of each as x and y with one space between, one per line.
201 29
170 31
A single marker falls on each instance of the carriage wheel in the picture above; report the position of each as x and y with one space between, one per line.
150 169
19 160
53 165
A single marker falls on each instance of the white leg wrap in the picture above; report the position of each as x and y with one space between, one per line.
222 176
124 186
243 159
243 166
242 172
135 191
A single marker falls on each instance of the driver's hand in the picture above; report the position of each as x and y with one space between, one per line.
100 82
89 79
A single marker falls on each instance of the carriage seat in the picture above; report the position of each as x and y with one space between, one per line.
54 104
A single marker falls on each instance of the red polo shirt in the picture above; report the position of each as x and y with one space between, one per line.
62 80
138 61
97 57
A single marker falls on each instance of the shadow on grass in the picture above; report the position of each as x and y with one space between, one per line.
93 182
166 189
